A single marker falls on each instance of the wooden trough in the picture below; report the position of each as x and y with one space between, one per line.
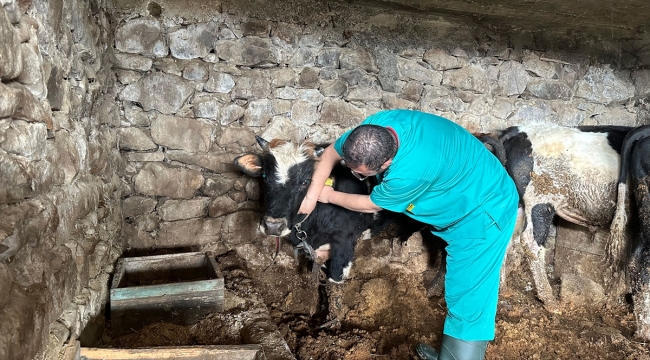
220 352
177 288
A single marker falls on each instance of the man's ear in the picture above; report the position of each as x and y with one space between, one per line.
385 165
250 164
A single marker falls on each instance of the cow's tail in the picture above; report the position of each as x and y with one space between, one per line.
619 223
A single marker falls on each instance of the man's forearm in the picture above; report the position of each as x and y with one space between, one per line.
354 202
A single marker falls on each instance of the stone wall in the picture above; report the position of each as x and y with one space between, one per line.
59 201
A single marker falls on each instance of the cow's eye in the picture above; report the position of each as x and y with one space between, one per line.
306 182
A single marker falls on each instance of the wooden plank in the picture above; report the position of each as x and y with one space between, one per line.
221 352
165 262
149 291
119 274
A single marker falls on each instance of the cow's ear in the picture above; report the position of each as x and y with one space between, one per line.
250 164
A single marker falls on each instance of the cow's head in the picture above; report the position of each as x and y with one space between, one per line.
286 169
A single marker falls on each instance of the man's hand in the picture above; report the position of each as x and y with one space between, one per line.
307 205
325 194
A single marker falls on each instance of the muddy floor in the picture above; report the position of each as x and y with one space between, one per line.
384 310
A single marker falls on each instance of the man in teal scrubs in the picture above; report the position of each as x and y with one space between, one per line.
436 172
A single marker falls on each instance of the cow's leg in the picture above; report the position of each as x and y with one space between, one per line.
539 219
640 262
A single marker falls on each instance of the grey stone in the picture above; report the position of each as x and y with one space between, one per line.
68 155
238 196
195 41
286 93
281 127
641 80
304 56
314 40
172 210
190 232
413 70
216 185
132 138
391 101
219 82
329 57
285 34
57 89
364 95
135 116
186 134
540 68
207 108
132 62
159 180
282 77
138 205
252 189
142 36
329 73
258 113
11 58
532 112
623 117
231 113
354 77
248 52
240 136
147 222
440 60
24 139
145 156
434 103
221 206
549 89
217 162
237 229
6 283
472 78
252 85
513 78
333 88
359 58
603 86
411 91
127 77
26 106
308 78
336 111
196 70
280 106
304 113
32 75
168 65
578 290
159 91
22 180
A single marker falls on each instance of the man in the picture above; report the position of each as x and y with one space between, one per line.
435 171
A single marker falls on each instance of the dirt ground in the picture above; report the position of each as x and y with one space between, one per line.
384 310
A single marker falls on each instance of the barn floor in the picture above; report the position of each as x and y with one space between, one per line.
385 311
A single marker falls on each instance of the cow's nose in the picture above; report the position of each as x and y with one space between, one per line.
274 226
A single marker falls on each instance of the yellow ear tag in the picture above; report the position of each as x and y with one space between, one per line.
329 181
410 207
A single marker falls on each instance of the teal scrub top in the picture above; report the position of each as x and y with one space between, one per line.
441 175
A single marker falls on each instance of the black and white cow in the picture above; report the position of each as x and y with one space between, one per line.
635 157
286 169
571 172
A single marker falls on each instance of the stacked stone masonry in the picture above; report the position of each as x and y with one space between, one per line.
118 126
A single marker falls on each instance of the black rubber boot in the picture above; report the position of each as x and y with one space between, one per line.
453 349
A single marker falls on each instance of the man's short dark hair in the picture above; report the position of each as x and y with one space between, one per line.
370 146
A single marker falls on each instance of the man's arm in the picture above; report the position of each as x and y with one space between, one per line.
325 165
354 202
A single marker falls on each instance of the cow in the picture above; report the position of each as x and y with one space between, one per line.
635 159
571 172
329 234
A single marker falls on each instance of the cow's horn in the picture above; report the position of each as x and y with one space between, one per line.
263 143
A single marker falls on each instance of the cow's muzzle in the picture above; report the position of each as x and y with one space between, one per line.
274 226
